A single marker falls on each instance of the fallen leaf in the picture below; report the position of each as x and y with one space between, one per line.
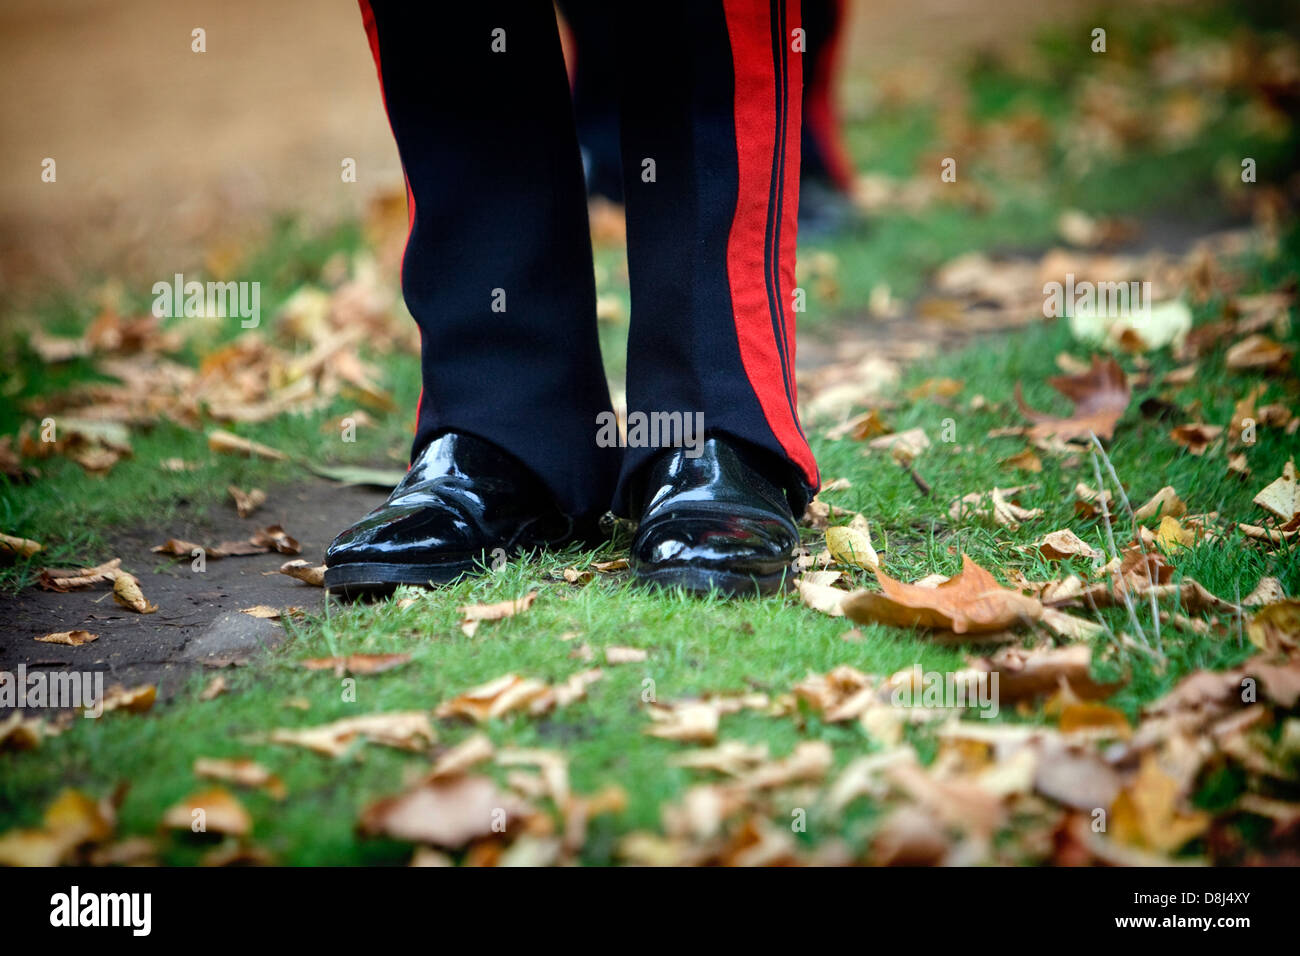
70 638
1100 395
970 602
1024 674
216 809
474 614
997 505
246 502
215 688
1024 461
241 772
909 444
1172 536
820 597
1196 438
1058 545
851 546
305 571
470 752
264 611
403 730
25 547
1163 502
275 538
685 721
445 812
1258 352
1276 628
126 592
511 692
624 655
62 579
228 443
1281 497
136 700
356 663
1149 812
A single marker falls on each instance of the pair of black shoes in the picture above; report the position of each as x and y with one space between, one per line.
707 522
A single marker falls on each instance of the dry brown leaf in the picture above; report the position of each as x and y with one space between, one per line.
70 638
1024 674
470 752
474 614
1100 395
215 810
730 757
1150 811
851 545
908 444
136 700
997 505
1281 497
820 597
403 730
275 538
264 611
1090 502
1164 502
126 592
228 443
215 688
1196 438
970 602
1058 545
305 571
691 721
1024 461
56 579
246 502
25 547
356 663
624 655
241 772
71 820
1258 352
511 693
445 812
1276 628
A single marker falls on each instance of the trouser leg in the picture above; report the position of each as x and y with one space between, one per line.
710 134
497 270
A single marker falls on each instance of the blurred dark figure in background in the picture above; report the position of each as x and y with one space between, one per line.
826 174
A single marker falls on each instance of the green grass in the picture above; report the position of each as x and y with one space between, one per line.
695 645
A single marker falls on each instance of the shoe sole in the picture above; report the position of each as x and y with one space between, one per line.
705 581
380 580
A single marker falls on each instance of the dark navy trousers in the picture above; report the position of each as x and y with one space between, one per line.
498 270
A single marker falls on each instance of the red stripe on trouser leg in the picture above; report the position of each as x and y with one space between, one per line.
372 35
820 115
761 243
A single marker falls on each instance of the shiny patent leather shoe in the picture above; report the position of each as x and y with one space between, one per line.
713 522
462 500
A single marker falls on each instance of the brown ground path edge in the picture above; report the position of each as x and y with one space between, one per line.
198 623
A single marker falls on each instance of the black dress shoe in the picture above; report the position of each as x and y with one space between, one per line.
462 500
713 522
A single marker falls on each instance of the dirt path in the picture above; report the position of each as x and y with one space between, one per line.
199 621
